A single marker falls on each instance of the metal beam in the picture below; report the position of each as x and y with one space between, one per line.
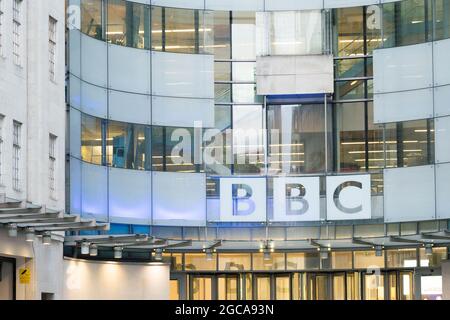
20 210
363 242
102 239
28 217
73 227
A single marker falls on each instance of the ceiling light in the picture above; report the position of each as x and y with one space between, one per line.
84 248
118 252
29 234
93 250
12 230
47 238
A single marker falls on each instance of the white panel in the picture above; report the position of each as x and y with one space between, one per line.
183 75
443 191
277 5
94 191
441 101
442 136
75 52
182 112
179 198
348 197
94 100
243 199
295 206
348 3
409 194
75 133
93 61
403 68
129 196
403 106
75 186
129 107
441 62
75 92
294 74
129 69
235 5
191 4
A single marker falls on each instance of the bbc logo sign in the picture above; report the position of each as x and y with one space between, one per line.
295 198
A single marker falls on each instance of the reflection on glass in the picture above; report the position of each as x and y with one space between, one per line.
367 259
222 35
353 286
350 31
321 286
222 71
351 136
350 89
350 68
405 23
128 24
173 149
341 260
222 92
91 18
128 145
180 30
234 261
299 145
398 258
409 143
91 139
433 260
157 27
303 261
442 19
248 144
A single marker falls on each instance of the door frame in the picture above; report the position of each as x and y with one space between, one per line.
13 262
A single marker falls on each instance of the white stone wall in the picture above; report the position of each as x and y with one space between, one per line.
29 96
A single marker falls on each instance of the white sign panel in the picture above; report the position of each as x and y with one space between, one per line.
243 199
348 197
296 199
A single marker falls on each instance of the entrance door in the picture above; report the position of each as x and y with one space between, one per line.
200 287
228 287
282 287
262 287
339 286
373 286
7 279
317 286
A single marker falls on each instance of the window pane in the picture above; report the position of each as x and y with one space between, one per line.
198 261
349 29
442 19
245 93
91 18
433 260
91 139
348 90
375 141
222 35
373 28
222 71
303 261
276 262
244 71
399 258
128 24
366 259
180 30
222 92
350 68
350 137
157 43
128 145
300 144
234 261
248 146
404 23
341 260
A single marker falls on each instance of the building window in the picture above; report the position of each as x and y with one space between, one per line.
16 155
1 28
52 165
17 4
1 148
52 47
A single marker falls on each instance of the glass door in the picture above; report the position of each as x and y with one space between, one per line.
200 287
374 286
228 287
7 279
339 286
406 280
282 287
262 287
353 286
392 285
